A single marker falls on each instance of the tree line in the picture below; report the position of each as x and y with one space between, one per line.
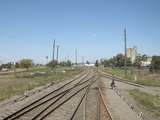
24 63
119 60
115 61
27 63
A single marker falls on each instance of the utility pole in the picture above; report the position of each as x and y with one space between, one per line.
76 55
46 59
53 61
82 60
65 58
54 44
125 51
57 53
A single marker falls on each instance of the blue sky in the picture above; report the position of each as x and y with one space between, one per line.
94 27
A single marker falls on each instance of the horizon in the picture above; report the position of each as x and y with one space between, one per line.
94 28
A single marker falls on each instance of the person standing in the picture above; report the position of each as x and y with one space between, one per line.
113 82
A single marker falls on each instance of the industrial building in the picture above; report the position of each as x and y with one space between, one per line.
132 53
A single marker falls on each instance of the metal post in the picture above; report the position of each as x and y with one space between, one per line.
65 59
125 48
76 55
82 60
57 53
14 68
54 43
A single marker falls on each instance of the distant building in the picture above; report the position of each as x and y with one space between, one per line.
147 62
89 65
132 53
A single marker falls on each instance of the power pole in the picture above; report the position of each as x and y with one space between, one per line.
54 44
65 58
82 60
125 51
76 55
57 53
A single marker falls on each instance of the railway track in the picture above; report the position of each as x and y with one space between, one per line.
121 80
103 112
62 100
92 105
81 97
80 102
48 97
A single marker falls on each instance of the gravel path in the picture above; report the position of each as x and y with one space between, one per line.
123 90
117 107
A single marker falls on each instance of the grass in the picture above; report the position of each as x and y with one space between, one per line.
11 84
148 101
143 77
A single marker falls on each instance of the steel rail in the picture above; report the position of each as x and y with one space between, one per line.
98 104
103 101
25 107
61 94
35 117
64 92
52 110
122 80
80 102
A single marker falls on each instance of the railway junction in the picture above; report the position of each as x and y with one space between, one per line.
88 96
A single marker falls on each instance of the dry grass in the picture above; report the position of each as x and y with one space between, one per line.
143 77
11 85
148 101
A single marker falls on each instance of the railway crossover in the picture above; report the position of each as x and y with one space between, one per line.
80 98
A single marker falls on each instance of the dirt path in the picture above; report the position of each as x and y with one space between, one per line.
118 108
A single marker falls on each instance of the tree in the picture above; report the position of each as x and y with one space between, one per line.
155 64
87 62
17 65
101 61
66 63
137 61
52 63
144 57
7 65
96 63
120 60
129 63
26 63
112 61
62 63
117 61
106 63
